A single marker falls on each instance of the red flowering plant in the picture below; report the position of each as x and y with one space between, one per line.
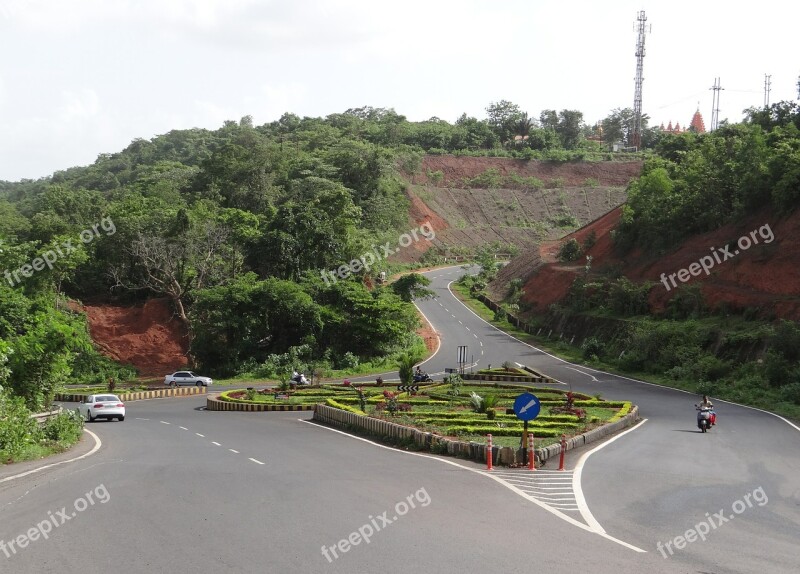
391 401
569 407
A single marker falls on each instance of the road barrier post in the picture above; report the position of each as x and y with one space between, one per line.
531 453
488 452
563 450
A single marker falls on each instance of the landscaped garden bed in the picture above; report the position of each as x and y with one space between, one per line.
464 411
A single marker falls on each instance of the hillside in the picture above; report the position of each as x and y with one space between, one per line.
464 218
510 204
764 277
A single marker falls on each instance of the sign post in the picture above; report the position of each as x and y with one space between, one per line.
462 358
526 407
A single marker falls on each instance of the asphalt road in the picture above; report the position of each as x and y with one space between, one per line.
177 488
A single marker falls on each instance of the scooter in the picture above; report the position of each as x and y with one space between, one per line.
422 378
705 418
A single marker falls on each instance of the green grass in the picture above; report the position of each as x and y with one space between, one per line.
36 452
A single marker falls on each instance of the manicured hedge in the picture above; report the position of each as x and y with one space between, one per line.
497 431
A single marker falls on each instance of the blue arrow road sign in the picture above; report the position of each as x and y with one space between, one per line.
527 406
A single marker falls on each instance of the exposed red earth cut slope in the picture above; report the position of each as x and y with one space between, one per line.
456 168
147 336
765 276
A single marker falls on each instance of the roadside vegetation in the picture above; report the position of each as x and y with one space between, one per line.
22 438
695 183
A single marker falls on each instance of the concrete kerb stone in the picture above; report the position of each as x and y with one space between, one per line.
137 396
472 450
213 403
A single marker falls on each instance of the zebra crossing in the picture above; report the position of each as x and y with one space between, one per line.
550 487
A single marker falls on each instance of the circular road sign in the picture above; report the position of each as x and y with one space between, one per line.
527 407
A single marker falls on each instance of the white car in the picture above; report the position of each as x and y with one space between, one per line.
187 378
102 407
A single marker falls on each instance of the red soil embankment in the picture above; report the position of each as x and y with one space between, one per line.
763 276
147 337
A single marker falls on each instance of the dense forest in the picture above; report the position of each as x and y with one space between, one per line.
235 227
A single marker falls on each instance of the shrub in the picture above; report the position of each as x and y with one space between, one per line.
570 250
476 401
592 348
17 428
349 361
66 428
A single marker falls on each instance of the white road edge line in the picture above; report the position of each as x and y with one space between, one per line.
582 373
216 443
233 451
183 428
497 479
200 435
791 424
438 338
257 461
165 423
576 481
97 444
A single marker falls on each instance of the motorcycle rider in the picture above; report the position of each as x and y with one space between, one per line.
706 404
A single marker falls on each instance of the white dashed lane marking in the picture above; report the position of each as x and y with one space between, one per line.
203 436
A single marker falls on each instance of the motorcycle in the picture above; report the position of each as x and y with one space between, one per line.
705 418
422 378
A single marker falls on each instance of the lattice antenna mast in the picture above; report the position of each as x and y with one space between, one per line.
715 105
767 89
636 139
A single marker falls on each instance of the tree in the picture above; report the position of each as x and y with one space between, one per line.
618 126
570 128
412 286
313 231
248 319
503 118
174 267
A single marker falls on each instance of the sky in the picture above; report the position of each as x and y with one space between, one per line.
80 78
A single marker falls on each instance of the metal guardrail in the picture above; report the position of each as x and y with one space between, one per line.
42 417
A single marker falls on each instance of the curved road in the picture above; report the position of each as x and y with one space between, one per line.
177 488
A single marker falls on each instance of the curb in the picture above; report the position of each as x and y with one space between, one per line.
215 404
472 450
138 396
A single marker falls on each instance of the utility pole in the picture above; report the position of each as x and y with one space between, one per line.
636 138
767 89
715 106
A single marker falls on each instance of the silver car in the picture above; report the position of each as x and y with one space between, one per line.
103 406
187 378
